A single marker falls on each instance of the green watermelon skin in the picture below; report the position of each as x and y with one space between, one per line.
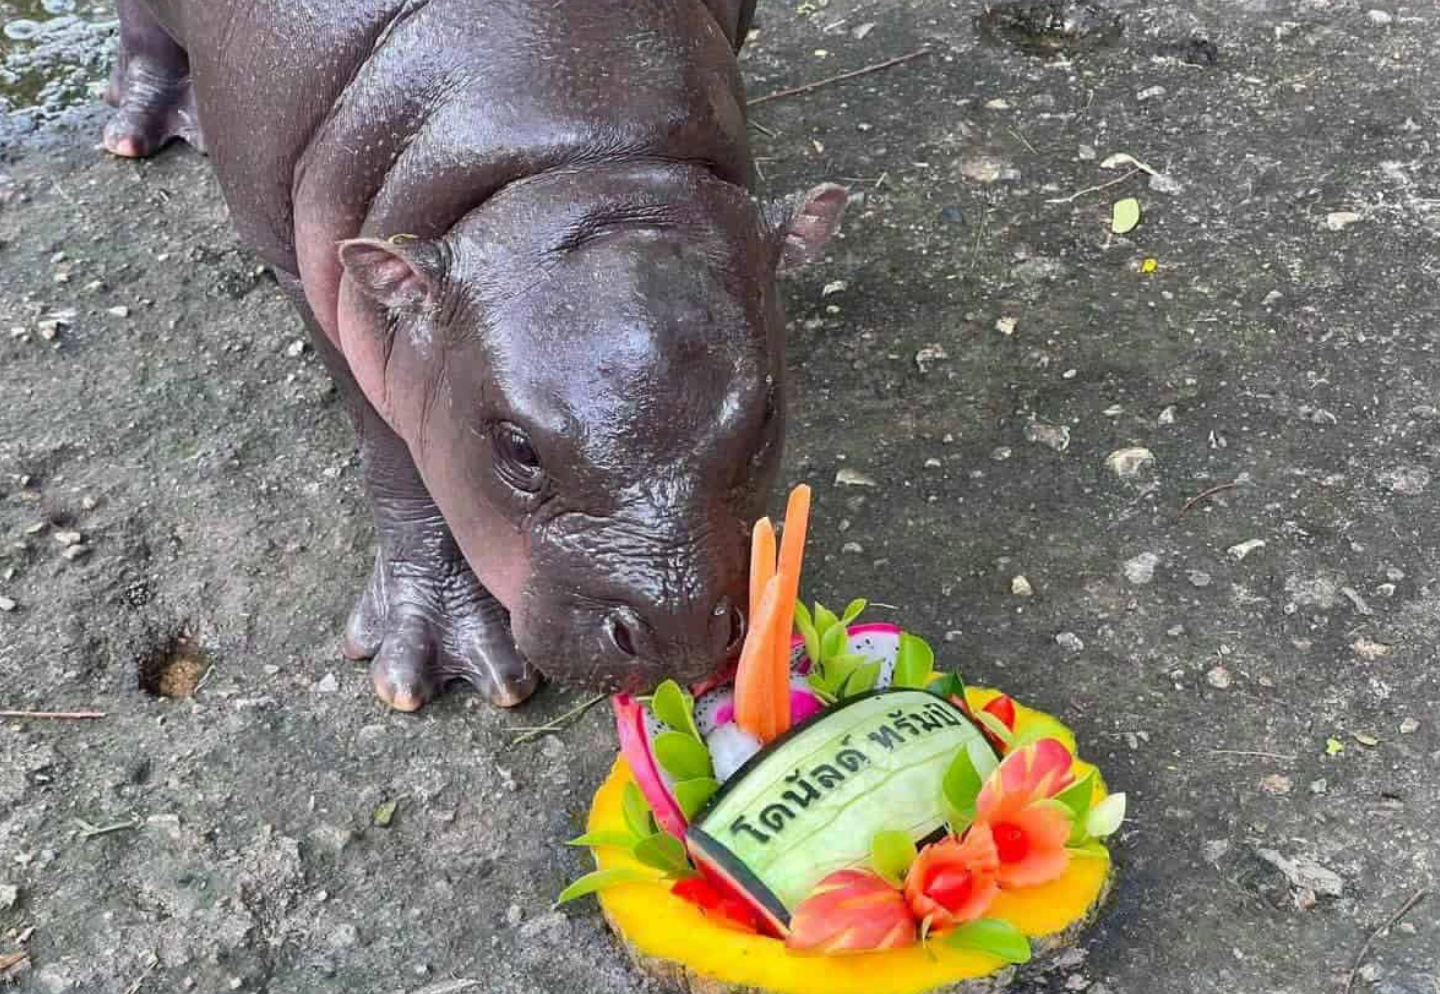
812 802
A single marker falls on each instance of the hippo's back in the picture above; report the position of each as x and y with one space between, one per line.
331 118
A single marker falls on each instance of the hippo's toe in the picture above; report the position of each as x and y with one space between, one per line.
424 628
153 106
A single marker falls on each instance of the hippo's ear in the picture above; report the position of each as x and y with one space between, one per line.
394 274
805 224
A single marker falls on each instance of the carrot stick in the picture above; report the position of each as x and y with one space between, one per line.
792 555
762 562
754 685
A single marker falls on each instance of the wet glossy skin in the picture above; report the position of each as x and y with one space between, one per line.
567 374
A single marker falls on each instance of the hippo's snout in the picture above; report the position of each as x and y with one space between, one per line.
688 644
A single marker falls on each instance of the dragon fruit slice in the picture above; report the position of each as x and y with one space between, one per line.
874 640
730 746
638 730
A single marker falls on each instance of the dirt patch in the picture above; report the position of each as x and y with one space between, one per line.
173 668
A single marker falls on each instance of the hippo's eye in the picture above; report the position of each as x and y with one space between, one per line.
516 461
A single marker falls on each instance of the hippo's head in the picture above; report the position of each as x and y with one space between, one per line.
588 371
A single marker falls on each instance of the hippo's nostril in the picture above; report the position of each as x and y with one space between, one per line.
737 630
621 628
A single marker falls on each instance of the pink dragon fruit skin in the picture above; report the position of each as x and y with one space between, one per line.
636 748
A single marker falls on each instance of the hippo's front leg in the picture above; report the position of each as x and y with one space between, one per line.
424 619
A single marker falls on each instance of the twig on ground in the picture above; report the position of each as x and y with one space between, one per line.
827 81
1405 909
8 961
767 132
1021 138
980 234
1208 493
204 679
139 981
1251 752
559 724
1094 189
53 715
89 831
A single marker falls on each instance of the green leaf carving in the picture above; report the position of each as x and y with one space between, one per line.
914 663
682 757
997 728
994 937
599 880
1106 817
863 679
824 619
808 633
665 853
676 708
692 794
962 785
636 811
852 611
982 757
1077 797
592 840
891 853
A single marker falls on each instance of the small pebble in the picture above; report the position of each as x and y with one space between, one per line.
9 896
74 552
1128 464
1006 325
1368 649
1070 642
848 477
1151 93
1167 416
1240 551
68 538
1380 17
1056 437
346 936
1198 578
120 312
513 915
1406 481
1320 786
1277 783
1340 220
1000 453
296 348
1020 587
1219 677
1141 569
852 548
327 684
6 604
929 355
1409 726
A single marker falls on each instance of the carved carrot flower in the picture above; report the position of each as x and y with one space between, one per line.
1029 830
953 881
852 911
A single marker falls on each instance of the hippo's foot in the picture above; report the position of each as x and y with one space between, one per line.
150 89
153 107
425 624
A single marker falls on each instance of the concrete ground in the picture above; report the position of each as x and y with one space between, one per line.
1256 667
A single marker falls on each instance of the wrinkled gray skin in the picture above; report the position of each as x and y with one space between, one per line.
567 376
